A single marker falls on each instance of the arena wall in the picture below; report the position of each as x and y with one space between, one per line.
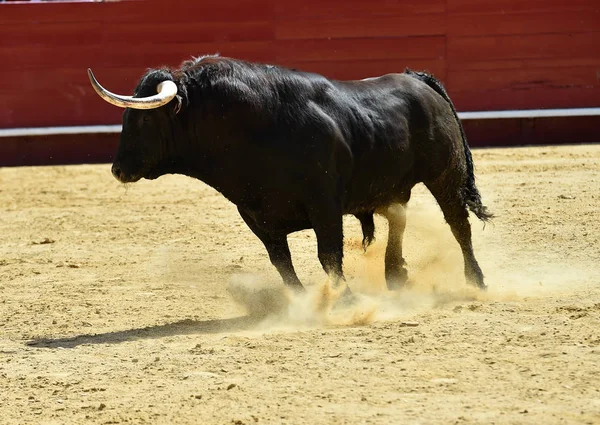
493 55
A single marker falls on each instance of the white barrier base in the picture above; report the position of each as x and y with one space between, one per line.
478 115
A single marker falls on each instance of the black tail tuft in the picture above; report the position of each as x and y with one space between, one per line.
368 228
480 210
470 194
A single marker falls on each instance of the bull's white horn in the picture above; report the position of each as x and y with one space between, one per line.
166 91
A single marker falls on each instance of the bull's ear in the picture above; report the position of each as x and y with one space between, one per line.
178 104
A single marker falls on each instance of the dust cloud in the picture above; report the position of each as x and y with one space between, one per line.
280 308
436 279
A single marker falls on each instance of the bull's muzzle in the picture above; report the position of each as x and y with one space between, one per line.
121 176
116 171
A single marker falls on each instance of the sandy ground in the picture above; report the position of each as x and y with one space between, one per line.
130 305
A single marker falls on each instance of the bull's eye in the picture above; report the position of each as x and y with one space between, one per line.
144 119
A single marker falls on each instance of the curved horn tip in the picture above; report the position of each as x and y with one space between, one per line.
167 90
92 77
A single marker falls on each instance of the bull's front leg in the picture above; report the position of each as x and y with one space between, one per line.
279 252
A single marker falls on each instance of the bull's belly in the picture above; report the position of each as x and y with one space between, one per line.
382 176
368 202
285 216
369 192
281 203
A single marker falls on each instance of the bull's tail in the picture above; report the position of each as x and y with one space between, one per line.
470 193
368 227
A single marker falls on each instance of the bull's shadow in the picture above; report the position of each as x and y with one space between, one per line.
183 327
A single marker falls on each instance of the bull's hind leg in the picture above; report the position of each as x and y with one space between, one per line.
395 266
279 252
457 216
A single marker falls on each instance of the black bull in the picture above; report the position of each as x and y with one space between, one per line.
294 150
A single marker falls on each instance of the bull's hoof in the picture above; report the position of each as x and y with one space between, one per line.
347 298
475 278
396 280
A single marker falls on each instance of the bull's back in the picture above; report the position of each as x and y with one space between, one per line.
387 144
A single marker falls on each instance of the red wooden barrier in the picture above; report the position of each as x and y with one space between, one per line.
506 54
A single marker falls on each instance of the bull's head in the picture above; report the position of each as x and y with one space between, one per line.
147 125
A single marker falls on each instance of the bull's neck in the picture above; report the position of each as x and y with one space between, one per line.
201 164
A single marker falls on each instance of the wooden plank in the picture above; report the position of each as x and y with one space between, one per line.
517 79
514 132
58 149
563 130
17 112
59 107
174 54
355 70
81 35
136 11
194 32
56 108
355 8
492 132
360 49
525 63
524 23
538 98
50 33
539 46
40 81
125 55
14 13
40 57
398 26
185 11
514 6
